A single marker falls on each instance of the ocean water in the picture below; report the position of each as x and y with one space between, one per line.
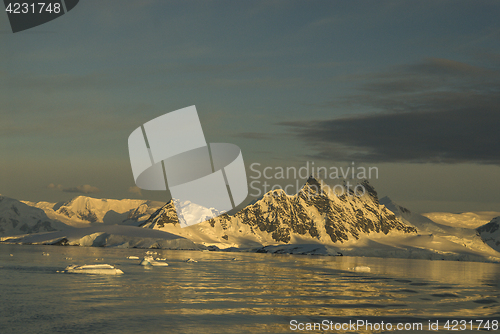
236 292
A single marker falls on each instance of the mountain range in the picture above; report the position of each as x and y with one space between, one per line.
82 210
316 214
316 220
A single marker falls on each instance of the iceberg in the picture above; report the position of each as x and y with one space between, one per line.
149 261
98 269
363 269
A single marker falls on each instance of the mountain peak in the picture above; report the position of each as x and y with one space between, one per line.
17 217
313 181
370 190
394 207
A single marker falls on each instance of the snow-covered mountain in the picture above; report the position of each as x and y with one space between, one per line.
490 233
316 214
82 210
442 239
19 218
464 219
22 223
317 220
421 223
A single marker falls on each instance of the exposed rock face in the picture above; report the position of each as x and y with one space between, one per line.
19 218
316 213
490 233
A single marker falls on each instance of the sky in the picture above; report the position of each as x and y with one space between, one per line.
411 88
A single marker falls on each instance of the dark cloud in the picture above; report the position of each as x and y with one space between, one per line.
438 110
83 189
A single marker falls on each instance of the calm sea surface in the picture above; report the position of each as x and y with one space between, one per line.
254 293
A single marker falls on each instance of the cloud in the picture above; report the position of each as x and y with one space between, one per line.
83 189
135 190
53 186
437 110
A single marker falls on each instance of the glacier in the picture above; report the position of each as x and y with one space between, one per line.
108 236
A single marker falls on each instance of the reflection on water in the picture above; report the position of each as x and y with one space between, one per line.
256 293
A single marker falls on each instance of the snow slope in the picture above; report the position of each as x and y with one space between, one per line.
423 224
464 219
192 213
18 218
442 239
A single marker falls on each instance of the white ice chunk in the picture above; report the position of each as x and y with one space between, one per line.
98 269
150 261
361 269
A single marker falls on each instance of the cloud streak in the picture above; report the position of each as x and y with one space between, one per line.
82 189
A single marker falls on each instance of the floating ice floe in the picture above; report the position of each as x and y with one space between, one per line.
132 257
361 269
191 260
98 269
149 261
